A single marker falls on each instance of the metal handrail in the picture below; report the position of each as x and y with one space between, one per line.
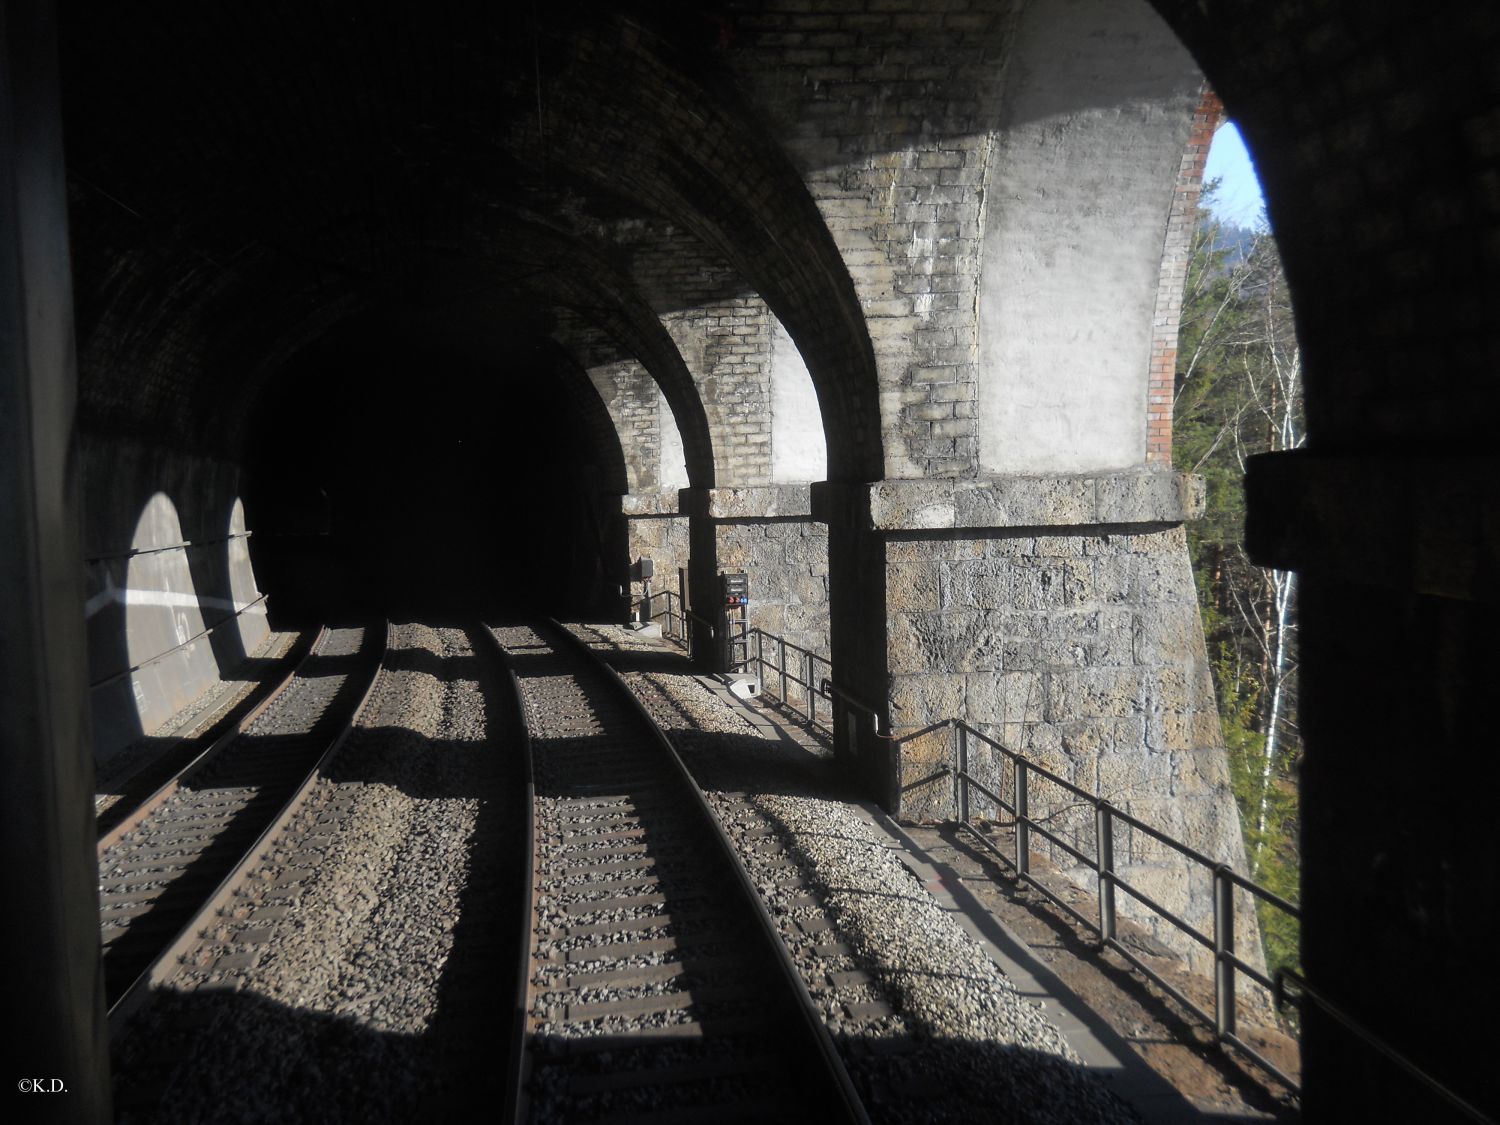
1108 880
676 623
831 688
1227 963
1350 1024
812 687
676 613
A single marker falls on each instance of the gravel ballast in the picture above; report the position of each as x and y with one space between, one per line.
930 1028
189 724
356 979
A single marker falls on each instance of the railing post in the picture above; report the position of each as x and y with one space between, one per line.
1104 849
960 775
1023 827
1223 948
781 667
760 655
807 684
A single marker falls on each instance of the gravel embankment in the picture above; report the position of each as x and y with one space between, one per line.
358 978
931 1030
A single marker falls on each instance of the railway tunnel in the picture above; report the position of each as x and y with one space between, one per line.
414 466
318 310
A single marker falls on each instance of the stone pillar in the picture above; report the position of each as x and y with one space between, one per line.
1058 616
55 983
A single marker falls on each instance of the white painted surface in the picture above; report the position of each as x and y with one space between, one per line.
1080 186
799 450
673 464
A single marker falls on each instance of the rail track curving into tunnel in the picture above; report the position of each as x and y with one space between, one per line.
164 866
634 975
653 983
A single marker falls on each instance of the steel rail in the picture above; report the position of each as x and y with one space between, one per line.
514 1106
164 792
161 966
206 727
833 1065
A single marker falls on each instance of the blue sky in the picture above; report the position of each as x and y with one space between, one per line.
1239 198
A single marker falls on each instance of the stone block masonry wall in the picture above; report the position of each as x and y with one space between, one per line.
787 561
905 118
1166 324
886 108
728 348
633 400
1083 651
654 530
1058 616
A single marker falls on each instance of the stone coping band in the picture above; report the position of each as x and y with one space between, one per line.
1148 496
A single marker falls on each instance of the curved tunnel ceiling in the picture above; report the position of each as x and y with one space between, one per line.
242 182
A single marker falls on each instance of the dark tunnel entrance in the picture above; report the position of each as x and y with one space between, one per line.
393 475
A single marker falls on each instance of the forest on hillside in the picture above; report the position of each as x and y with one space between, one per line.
1238 393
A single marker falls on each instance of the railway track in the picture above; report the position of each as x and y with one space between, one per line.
146 787
656 989
159 867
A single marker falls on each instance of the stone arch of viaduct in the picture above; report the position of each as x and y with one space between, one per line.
932 248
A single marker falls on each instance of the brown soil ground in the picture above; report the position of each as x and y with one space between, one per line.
1219 1080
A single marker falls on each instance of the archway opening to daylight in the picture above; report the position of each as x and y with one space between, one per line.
1237 394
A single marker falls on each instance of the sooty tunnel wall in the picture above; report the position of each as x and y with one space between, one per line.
389 473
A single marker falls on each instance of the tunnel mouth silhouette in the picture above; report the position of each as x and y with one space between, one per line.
399 473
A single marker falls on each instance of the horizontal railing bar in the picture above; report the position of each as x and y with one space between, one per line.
1227 1037
1250 971
1135 822
1264 895
979 734
825 688
1280 1075
788 677
1166 986
789 645
1185 927
988 792
1083 919
1086 860
1025 877
1039 771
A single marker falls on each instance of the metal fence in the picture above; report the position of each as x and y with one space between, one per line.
793 664
665 604
1226 881
1107 818
1286 986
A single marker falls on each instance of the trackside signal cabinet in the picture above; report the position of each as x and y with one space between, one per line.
734 619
